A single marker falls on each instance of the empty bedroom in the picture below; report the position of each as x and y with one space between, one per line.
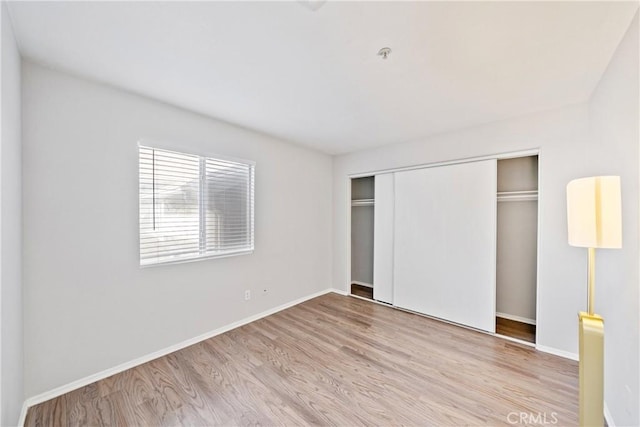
320 212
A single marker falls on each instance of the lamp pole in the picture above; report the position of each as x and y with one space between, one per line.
591 281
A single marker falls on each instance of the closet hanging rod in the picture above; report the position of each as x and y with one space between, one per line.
517 196
362 202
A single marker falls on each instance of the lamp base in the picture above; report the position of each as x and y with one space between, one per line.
591 370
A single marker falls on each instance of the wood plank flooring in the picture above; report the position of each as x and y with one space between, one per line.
333 360
362 291
514 329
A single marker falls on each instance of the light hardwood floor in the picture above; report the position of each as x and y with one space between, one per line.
361 291
333 360
514 329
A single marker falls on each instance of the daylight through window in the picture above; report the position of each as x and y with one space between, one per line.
193 206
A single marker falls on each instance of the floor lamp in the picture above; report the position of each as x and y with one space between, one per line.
595 221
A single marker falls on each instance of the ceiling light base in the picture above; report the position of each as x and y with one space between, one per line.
384 52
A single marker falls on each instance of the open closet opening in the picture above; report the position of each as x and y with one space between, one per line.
362 235
517 246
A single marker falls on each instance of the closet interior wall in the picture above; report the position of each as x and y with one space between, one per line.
517 236
362 234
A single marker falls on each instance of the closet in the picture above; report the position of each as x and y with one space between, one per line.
362 235
456 241
517 246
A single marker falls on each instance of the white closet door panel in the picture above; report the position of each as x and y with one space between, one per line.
445 242
383 239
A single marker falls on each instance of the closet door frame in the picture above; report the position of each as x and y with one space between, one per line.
498 156
516 155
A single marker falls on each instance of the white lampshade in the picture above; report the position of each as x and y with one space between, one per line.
594 212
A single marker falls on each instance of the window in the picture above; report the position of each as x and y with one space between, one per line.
193 207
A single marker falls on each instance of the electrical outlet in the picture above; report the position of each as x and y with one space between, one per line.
247 295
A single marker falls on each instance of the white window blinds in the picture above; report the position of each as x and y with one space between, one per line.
193 206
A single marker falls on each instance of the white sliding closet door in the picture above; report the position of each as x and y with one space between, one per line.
445 242
383 239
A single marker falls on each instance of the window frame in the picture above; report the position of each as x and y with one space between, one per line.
155 144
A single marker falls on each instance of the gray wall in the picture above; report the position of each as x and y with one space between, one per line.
516 269
11 372
88 304
517 259
363 188
518 174
614 117
362 231
362 244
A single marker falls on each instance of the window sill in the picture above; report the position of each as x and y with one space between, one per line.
150 263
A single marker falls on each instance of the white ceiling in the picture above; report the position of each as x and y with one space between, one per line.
314 77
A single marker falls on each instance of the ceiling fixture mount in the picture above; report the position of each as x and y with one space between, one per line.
312 5
384 52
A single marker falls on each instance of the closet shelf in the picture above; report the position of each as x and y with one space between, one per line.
363 202
517 196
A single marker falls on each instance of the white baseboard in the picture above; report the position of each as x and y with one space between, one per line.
607 416
366 285
338 291
58 391
556 352
23 413
519 341
516 318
